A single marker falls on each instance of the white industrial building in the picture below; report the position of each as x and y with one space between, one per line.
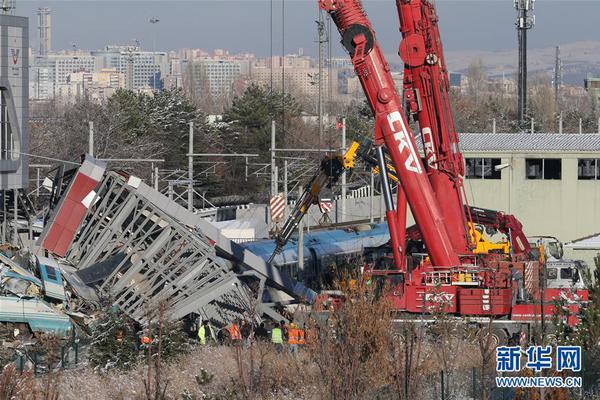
550 182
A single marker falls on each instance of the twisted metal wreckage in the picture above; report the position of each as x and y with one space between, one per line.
109 235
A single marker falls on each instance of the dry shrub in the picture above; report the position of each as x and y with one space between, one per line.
25 386
15 385
352 349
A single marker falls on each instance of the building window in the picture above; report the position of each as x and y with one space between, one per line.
543 168
482 168
588 169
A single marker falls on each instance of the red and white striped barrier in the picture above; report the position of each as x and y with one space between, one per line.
277 207
326 205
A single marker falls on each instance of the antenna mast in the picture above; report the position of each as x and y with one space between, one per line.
557 77
524 23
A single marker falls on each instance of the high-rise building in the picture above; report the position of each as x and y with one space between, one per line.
296 80
54 69
97 86
142 69
214 76
45 30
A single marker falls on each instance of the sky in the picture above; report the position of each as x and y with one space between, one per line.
244 25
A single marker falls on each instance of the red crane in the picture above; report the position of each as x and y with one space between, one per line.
426 89
451 275
392 129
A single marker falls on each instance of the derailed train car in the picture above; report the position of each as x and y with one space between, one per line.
325 251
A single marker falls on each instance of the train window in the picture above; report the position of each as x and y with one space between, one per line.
566 273
51 272
551 273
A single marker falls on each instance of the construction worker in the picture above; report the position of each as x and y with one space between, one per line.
518 292
301 333
293 338
205 332
246 330
277 336
261 333
235 335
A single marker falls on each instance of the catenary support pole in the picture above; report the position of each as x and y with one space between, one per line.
273 181
16 217
156 178
560 123
285 180
343 199
190 190
300 239
372 193
91 138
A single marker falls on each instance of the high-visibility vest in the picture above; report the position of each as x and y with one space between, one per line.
277 336
202 334
293 336
301 336
234 332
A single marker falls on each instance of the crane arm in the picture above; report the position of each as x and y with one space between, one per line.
329 172
426 90
392 129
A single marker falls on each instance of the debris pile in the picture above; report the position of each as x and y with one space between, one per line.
111 236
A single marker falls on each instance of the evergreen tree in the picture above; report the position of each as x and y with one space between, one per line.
249 119
114 342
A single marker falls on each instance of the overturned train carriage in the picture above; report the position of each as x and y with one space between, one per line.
141 250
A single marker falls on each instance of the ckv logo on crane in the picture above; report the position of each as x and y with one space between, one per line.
412 161
429 148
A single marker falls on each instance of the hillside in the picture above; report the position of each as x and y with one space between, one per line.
578 59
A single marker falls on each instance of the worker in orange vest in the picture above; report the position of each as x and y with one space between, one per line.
293 338
301 333
234 332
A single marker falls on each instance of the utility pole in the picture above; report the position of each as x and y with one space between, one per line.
91 138
321 32
190 191
524 23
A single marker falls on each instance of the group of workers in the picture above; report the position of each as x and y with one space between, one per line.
242 332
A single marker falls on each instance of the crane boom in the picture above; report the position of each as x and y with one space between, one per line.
331 168
426 89
392 129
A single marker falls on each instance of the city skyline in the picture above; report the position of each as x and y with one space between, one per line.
473 25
